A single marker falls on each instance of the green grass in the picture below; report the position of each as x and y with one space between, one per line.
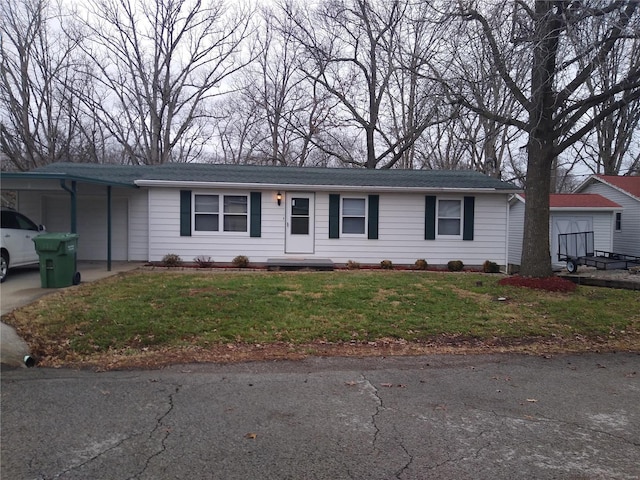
159 310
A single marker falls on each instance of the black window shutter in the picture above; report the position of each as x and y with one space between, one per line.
334 215
185 213
469 207
430 218
255 215
374 209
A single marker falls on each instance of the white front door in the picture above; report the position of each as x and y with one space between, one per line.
300 223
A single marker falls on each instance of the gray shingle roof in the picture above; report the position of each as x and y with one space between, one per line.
252 174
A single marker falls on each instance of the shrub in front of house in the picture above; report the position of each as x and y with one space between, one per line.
386 265
455 265
421 264
550 284
353 265
241 261
203 261
490 267
171 260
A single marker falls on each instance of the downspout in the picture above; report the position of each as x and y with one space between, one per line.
506 248
109 228
74 204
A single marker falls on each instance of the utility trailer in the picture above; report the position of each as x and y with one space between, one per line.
577 249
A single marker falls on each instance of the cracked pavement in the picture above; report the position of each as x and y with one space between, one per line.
442 417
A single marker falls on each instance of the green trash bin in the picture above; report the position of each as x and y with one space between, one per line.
57 253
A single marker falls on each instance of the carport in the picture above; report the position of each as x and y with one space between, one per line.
33 186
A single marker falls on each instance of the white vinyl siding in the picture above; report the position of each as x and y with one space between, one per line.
164 233
627 239
401 232
401 224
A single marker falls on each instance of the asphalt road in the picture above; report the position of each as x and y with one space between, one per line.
436 417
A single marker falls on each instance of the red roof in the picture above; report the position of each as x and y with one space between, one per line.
580 200
628 184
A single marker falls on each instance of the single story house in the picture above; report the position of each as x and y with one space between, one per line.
142 213
568 213
624 191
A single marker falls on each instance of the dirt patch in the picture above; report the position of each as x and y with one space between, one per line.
441 344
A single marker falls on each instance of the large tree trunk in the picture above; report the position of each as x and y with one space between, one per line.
536 259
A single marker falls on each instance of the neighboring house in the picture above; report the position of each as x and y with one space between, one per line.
624 191
568 213
142 213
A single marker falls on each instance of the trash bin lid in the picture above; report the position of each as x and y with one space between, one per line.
52 241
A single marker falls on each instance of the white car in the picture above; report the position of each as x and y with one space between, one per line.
16 238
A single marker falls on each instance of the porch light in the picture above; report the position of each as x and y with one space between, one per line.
279 198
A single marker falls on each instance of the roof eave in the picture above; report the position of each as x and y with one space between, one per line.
64 176
307 187
585 209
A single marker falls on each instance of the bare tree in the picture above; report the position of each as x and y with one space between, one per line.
40 111
559 107
239 129
158 65
354 47
291 105
617 131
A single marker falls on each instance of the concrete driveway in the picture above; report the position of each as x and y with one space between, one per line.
22 287
432 417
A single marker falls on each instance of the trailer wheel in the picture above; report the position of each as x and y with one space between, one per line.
571 266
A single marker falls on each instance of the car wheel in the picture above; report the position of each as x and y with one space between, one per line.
4 266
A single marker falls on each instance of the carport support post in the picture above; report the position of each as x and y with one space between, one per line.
109 228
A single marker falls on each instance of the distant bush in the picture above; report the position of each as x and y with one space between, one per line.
490 267
352 265
550 284
171 260
386 265
241 261
203 261
421 264
455 265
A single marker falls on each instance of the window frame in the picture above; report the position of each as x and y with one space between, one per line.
618 221
365 216
460 219
222 214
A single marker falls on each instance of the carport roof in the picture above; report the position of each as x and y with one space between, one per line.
129 175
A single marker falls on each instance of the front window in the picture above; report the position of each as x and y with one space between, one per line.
206 211
231 216
449 217
353 216
618 221
235 213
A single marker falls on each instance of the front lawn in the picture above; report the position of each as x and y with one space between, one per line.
203 316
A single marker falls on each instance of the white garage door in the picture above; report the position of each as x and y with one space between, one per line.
567 224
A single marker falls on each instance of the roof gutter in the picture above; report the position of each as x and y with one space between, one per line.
307 187
62 177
